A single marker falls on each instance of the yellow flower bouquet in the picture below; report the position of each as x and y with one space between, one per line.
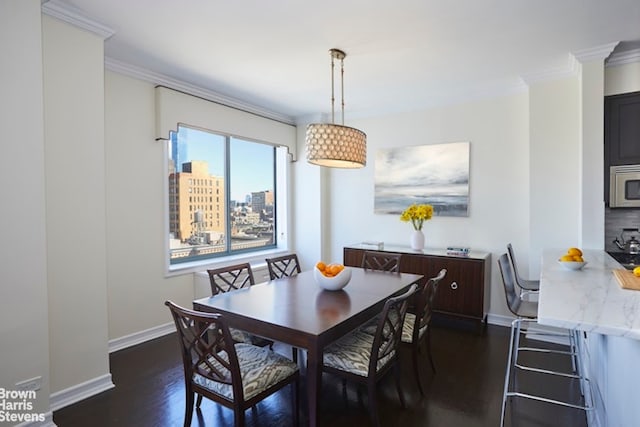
417 214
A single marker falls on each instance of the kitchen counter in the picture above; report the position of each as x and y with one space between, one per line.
590 299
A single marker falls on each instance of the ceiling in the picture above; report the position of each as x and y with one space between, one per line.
402 55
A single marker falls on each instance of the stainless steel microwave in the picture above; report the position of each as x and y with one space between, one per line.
624 186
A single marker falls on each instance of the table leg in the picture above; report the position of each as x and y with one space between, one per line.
314 382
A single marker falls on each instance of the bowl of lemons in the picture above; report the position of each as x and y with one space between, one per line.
572 259
331 277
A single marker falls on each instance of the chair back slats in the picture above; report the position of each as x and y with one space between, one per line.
425 299
509 283
231 278
283 266
206 346
512 256
389 331
381 261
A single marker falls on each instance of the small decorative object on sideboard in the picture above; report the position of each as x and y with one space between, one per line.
417 215
378 246
458 251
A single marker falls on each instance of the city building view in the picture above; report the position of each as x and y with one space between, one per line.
201 225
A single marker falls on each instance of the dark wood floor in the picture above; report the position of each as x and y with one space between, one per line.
466 391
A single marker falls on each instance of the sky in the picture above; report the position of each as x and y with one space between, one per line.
252 164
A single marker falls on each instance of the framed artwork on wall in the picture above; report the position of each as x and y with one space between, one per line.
436 174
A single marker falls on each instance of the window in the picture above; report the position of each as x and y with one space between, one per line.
241 174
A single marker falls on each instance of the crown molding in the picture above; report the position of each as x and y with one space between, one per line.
595 53
572 65
622 58
569 69
188 88
74 16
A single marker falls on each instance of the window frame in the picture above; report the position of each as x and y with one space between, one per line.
282 224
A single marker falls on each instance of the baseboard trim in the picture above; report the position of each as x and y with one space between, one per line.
78 392
538 332
499 320
141 336
47 422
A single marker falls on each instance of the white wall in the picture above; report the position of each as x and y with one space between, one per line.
24 332
135 170
497 130
622 79
75 195
554 159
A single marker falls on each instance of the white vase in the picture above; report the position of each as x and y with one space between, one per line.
417 240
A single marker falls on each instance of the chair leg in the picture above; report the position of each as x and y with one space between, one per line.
238 416
199 401
416 367
373 404
295 399
188 410
508 373
294 354
396 372
428 332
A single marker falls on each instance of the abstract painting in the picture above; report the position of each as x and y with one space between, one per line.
436 174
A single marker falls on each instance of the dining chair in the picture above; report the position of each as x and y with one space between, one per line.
232 278
365 358
237 376
526 286
381 261
526 313
416 328
283 266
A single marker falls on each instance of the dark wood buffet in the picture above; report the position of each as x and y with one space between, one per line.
464 292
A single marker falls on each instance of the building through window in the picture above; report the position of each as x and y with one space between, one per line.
221 193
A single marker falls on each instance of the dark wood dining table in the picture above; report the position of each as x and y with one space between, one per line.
296 311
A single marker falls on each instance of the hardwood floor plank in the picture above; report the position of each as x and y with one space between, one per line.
465 391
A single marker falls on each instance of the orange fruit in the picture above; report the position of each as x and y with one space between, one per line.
578 258
574 252
567 258
321 265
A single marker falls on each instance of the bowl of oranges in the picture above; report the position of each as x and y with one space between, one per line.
331 277
572 260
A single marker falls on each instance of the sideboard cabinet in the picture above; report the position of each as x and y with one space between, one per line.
463 293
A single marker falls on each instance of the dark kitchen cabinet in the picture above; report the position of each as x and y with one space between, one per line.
621 133
464 292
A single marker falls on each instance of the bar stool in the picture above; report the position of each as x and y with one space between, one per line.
526 313
526 286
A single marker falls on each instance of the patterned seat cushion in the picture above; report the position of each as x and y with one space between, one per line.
407 327
260 368
352 353
240 336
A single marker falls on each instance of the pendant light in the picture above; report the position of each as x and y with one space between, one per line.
332 145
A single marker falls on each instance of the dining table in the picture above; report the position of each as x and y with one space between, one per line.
297 311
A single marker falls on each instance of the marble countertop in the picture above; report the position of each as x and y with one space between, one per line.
589 299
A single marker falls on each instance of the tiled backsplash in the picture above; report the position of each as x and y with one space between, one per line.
614 221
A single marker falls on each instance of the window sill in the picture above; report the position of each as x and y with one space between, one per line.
256 259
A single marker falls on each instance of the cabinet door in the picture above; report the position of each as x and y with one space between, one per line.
461 292
621 133
623 126
352 257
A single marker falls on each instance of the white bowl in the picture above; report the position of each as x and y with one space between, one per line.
572 265
332 283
